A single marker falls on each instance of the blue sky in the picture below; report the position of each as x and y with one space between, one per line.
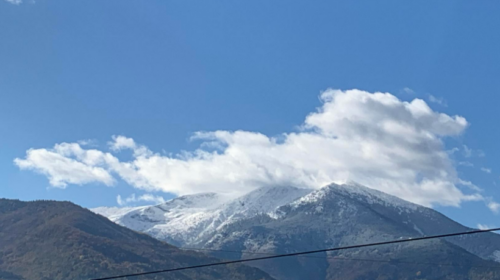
159 71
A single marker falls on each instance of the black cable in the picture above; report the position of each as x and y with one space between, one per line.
300 253
345 258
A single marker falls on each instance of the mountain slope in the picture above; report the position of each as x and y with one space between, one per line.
417 219
188 219
48 240
339 215
347 215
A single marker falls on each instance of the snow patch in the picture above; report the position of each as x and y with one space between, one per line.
496 256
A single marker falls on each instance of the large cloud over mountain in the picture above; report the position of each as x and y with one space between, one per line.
374 139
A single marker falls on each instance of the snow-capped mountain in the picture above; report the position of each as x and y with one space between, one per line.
186 220
288 219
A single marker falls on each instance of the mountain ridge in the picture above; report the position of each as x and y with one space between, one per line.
184 225
339 215
51 240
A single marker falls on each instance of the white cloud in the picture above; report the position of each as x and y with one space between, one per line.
122 202
408 90
124 143
468 152
470 185
483 227
66 164
373 139
494 206
151 198
437 100
15 2
88 142
486 170
466 163
146 197
121 142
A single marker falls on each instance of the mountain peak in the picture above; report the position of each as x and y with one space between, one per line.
186 219
267 199
357 192
279 219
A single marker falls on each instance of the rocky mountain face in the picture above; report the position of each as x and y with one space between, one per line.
285 219
48 240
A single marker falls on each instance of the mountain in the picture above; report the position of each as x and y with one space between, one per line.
49 240
284 220
189 219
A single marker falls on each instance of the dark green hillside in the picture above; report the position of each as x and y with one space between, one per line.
49 240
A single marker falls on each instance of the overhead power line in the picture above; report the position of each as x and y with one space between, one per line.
394 261
300 253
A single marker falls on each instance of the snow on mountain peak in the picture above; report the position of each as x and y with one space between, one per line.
265 199
357 192
186 219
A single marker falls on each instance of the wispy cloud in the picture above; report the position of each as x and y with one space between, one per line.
468 152
408 90
466 163
470 185
494 206
15 2
88 143
453 151
486 170
374 139
437 100
145 198
483 227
